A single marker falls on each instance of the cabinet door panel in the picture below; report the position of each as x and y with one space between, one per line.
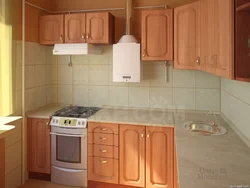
157 35
187 36
159 157
39 146
75 28
51 29
99 28
2 162
132 155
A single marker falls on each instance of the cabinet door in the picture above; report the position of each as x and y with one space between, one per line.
187 36
51 29
75 28
2 162
159 157
132 155
157 35
99 28
39 146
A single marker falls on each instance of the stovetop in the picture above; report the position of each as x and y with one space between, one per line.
76 112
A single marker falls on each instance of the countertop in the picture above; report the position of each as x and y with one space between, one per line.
147 117
5 125
44 112
210 161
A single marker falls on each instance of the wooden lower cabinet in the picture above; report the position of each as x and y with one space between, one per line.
39 157
159 157
2 162
132 155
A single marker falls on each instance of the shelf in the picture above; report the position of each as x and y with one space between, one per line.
245 7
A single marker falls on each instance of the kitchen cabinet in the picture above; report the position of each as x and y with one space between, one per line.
51 29
242 40
39 152
187 36
75 28
100 28
103 156
157 35
159 157
217 39
94 28
132 155
2 162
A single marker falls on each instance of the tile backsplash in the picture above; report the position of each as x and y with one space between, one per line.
89 82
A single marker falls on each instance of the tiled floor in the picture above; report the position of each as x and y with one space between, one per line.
42 184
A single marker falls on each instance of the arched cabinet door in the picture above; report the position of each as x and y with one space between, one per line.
157 35
159 157
132 155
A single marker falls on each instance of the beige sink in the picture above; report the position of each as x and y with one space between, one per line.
204 128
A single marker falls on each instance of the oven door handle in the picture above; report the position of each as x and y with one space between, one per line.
68 135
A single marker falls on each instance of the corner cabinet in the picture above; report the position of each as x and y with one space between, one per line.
94 28
157 35
187 36
39 157
51 29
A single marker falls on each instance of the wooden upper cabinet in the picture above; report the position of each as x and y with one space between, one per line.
157 35
51 29
217 38
75 28
39 146
159 157
99 28
187 36
132 155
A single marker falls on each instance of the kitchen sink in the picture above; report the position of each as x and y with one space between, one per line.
204 128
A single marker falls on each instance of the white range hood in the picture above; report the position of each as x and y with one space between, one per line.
126 54
76 49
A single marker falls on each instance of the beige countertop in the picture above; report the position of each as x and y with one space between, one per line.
147 117
210 161
5 125
44 112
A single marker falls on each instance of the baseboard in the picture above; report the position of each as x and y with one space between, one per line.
39 176
94 184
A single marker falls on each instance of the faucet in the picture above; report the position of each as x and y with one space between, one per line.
215 116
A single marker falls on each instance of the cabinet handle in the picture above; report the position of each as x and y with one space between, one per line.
104 129
83 36
142 135
103 138
103 162
87 36
198 60
144 53
148 135
61 37
103 150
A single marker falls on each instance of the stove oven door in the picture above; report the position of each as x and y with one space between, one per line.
69 150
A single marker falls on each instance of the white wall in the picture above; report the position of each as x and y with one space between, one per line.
89 82
235 104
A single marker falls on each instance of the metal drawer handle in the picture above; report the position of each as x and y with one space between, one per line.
103 162
104 129
103 150
103 138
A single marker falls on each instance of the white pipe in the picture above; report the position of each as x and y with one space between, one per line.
93 10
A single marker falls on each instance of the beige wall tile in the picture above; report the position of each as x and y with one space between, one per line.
118 95
98 59
12 157
51 94
184 98
98 75
98 96
18 80
80 74
206 80
40 96
79 59
139 96
40 57
63 59
80 95
30 52
40 75
48 74
18 53
184 78
54 77
65 94
30 99
29 76
145 76
18 103
64 74
161 97
207 99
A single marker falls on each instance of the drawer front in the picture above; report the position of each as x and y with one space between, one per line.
103 170
106 128
104 139
106 151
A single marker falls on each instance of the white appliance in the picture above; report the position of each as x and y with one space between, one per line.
76 49
69 142
126 54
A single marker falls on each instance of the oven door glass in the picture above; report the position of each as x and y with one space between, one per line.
68 149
